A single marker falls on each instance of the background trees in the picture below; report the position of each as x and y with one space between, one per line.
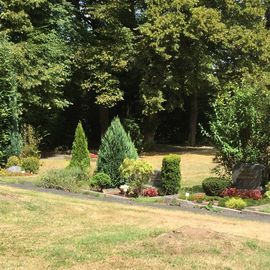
160 63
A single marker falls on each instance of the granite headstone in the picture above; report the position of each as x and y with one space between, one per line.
249 176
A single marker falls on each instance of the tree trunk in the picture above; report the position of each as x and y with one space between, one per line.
193 119
103 119
150 128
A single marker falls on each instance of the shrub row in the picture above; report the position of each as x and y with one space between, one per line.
254 194
29 164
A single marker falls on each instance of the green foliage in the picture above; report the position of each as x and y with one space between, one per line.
267 194
31 140
30 164
109 52
170 174
100 181
133 129
239 129
137 173
236 203
80 154
68 179
213 186
9 108
13 161
116 145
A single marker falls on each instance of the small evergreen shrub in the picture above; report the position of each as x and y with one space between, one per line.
170 174
30 164
116 145
80 154
13 161
100 181
31 140
136 173
236 203
213 186
68 179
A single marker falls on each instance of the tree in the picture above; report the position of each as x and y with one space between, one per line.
41 34
239 128
116 145
80 155
193 48
105 52
10 140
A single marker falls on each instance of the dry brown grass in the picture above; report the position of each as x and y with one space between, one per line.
45 231
196 163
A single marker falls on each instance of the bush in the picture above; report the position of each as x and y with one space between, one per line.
170 174
137 173
150 192
254 194
31 141
13 161
80 154
213 186
100 181
116 145
236 203
240 127
30 164
267 194
66 179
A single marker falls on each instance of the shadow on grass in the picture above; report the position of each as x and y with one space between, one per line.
161 149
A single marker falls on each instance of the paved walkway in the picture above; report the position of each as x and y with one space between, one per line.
183 207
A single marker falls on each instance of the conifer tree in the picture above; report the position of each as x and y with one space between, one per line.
80 154
116 145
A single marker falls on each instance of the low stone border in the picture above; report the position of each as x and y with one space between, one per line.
174 200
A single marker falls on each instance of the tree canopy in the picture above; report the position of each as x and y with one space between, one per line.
162 63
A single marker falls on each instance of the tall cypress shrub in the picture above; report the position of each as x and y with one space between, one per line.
116 145
170 174
80 154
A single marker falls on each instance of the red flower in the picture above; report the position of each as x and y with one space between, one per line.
254 194
150 192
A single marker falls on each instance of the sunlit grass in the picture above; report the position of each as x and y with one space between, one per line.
45 231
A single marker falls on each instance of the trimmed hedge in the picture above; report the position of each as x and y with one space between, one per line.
100 181
213 186
170 174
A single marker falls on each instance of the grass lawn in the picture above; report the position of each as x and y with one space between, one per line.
196 164
45 231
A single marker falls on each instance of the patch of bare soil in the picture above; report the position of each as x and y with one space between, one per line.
8 197
176 241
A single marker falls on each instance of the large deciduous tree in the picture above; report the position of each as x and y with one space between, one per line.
193 48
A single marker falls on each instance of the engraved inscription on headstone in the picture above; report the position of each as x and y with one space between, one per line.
248 176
